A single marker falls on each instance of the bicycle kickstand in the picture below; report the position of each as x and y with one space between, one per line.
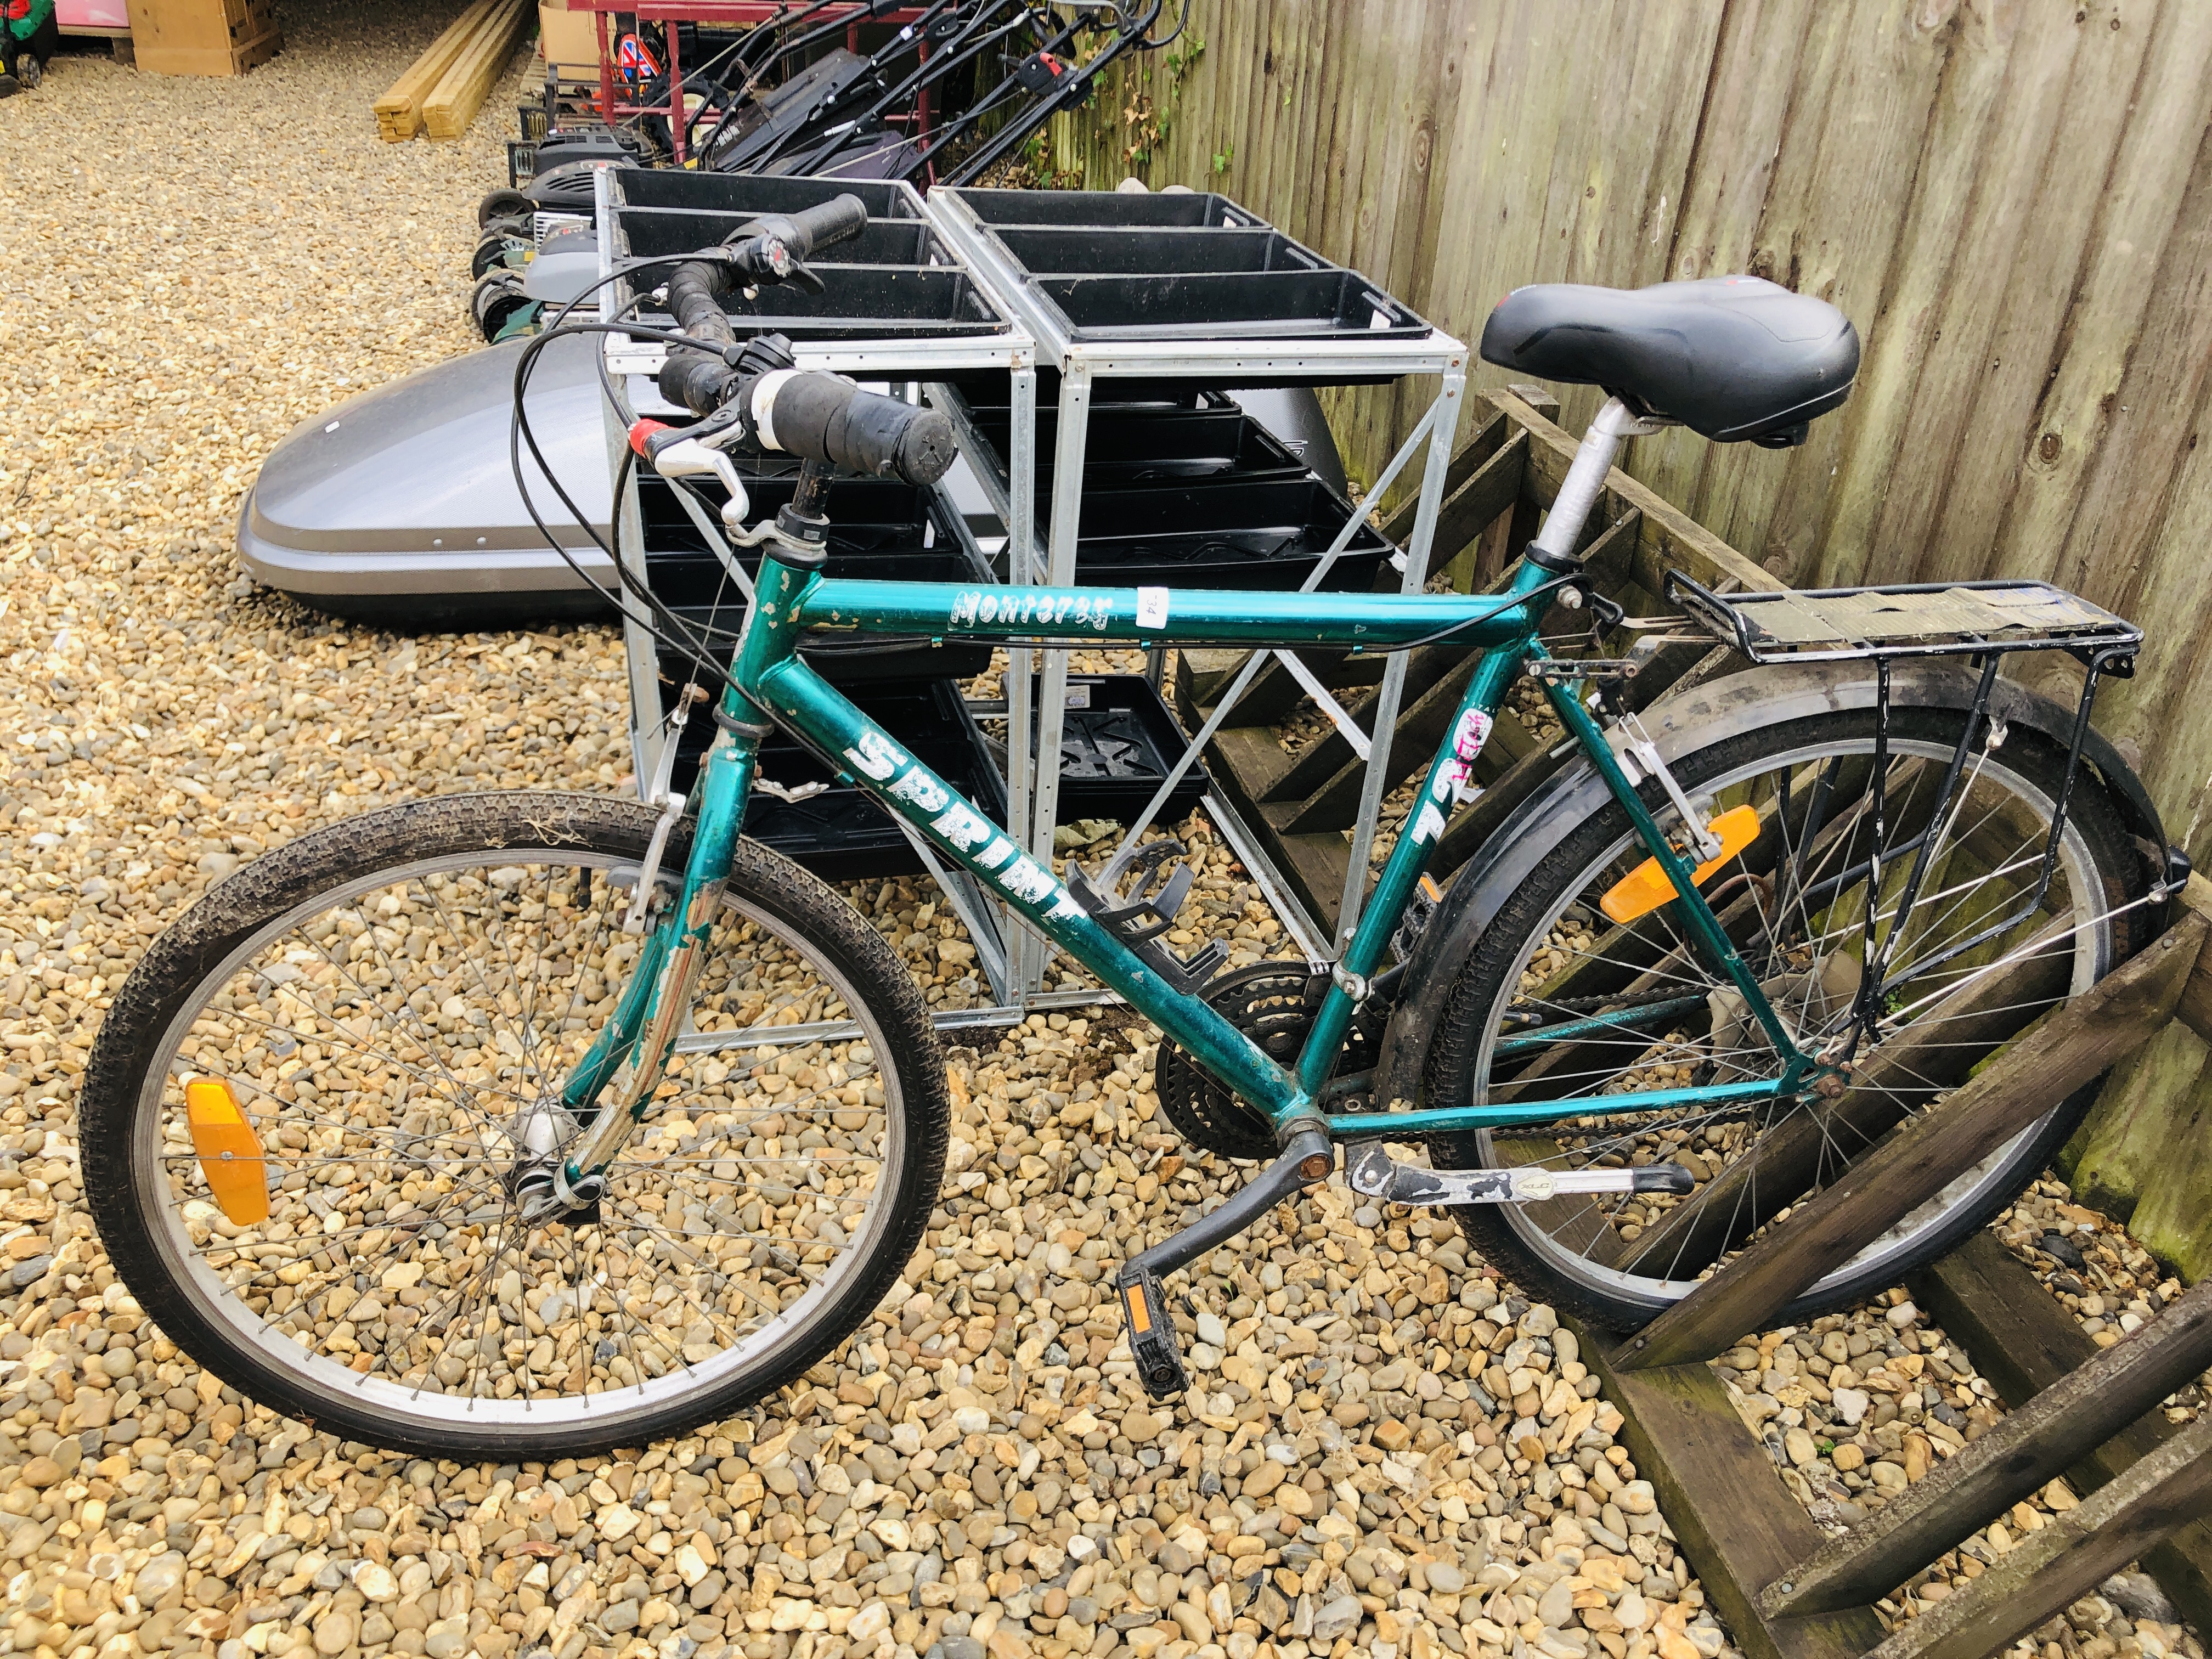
1153 1343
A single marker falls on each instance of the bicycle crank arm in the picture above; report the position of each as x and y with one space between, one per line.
1153 1340
1372 1172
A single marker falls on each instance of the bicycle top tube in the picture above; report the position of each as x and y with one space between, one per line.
1161 616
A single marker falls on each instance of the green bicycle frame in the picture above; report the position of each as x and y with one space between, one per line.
769 682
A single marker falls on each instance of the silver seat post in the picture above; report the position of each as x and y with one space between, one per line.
1563 528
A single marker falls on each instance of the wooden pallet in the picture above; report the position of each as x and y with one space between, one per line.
2091 1415
1301 803
202 37
399 112
453 102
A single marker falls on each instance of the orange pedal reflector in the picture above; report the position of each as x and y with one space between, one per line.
1645 888
229 1151
1140 1317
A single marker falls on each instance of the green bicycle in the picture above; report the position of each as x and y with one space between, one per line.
509 1126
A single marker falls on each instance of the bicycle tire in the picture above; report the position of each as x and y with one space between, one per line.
1594 1288
129 1093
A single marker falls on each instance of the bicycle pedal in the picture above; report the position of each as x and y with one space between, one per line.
1153 1340
1376 1175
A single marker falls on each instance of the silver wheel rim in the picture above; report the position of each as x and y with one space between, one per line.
660 1375
2092 950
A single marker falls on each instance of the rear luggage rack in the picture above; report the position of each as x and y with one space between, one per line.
1928 619
1984 621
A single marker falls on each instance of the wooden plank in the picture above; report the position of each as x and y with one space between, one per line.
2031 1447
1852 146
1738 1525
2062 1050
2024 1342
1964 209
1929 1055
460 93
2068 1556
2112 299
1996 412
1492 430
399 111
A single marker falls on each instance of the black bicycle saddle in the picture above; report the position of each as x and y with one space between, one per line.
1732 358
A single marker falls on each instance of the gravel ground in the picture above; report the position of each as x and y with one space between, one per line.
1857 1406
1389 1451
1342 1482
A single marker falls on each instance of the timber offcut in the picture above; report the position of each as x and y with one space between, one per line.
443 89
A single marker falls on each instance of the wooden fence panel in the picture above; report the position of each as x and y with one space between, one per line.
2011 199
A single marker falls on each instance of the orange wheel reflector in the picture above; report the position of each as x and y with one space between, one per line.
1140 1317
229 1151
1645 888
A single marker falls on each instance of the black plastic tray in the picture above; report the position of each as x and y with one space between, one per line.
988 394
1153 252
1116 744
841 834
1270 305
868 302
1123 448
658 232
1107 209
751 194
1231 534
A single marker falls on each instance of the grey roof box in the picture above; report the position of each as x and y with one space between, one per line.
399 504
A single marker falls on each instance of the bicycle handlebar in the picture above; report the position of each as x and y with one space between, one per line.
825 417
818 227
817 416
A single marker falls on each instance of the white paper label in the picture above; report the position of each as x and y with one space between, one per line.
1151 607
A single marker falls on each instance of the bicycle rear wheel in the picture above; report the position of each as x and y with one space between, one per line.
1794 901
392 1004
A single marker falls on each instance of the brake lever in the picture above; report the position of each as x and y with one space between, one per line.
766 260
802 275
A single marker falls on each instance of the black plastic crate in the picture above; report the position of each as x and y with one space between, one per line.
1117 742
1264 535
841 834
869 302
1272 305
987 393
1153 253
752 194
1108 208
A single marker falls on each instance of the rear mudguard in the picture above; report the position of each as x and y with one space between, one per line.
1682 725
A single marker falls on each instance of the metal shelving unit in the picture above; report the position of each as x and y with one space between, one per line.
842 345
1236 305
1295 319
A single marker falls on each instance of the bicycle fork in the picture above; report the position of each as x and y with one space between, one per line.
633 1052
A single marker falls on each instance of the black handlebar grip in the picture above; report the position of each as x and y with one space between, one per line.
826 223
825 417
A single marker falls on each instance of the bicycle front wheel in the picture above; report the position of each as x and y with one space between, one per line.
1636 1008
392 1005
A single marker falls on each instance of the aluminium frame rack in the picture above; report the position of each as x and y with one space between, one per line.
905 363
1244 355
